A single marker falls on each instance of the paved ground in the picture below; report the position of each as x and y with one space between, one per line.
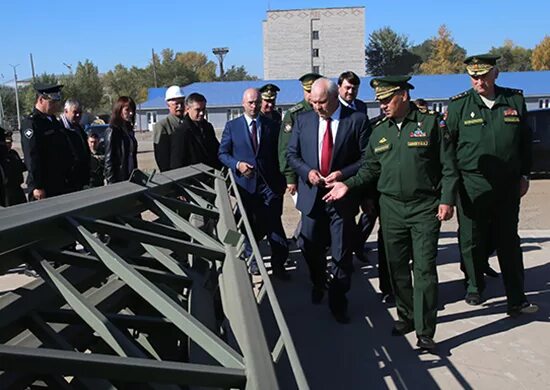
478 347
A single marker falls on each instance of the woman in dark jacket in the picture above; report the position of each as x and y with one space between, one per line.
120 142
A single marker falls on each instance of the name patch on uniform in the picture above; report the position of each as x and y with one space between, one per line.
28 133
382 148
418 144
511 119
476 121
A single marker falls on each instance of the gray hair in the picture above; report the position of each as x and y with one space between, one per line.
330 86
71 103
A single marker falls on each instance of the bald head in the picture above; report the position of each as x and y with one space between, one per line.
324 97
251 102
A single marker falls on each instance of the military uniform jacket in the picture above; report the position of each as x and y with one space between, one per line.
415 162
493 142
47 152
284 138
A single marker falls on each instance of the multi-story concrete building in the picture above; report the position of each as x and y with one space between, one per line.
322 40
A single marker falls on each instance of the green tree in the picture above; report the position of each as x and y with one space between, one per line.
237 73
7 96
387 53
122 81
541 55
445 57
513 58
85 86
201 68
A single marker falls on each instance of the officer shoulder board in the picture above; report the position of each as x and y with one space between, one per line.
459 96
514 91
380 121
296 107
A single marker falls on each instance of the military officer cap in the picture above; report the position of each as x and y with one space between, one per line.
384 87
269 91
480 64
52 92
308 79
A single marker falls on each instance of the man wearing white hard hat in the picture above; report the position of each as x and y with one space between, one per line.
163 130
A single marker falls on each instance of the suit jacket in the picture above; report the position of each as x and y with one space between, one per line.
360 106
236 146
303 155
194 143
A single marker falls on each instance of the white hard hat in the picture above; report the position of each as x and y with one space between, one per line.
174 92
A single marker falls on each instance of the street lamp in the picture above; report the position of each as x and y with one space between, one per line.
16 97
220 52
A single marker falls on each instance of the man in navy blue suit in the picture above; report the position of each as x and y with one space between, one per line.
249 148
326 146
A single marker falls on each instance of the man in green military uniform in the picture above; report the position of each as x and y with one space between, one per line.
268 93
413 160
286 130
488 125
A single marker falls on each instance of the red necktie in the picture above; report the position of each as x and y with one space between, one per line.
254 136
326 150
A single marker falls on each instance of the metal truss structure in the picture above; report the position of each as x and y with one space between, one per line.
156 293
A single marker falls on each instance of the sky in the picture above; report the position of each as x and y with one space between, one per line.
122 31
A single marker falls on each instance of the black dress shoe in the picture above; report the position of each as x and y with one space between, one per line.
401 328
491 272
425 342
341 317
524 308
317 295
281 273
473 299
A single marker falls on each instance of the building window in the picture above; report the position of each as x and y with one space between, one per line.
315 53
315 69
234 113
544 103
437 107
151 118
315 34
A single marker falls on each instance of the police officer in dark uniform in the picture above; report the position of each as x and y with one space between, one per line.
413 158
46 147
286 130
12 169
488 124
269 101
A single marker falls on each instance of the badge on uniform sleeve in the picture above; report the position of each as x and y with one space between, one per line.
288 127
28 133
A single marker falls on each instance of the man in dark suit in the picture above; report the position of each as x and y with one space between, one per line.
326 146
348 88
249 148
194 140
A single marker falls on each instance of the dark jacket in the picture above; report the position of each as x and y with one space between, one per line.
120 153
80 174
194 143
47 153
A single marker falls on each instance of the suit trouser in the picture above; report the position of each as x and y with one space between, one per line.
491 215
265 220
406 224
324 227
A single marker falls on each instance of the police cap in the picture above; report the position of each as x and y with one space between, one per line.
50 91
384 87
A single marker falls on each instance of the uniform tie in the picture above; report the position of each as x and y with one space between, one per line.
254 136
326 150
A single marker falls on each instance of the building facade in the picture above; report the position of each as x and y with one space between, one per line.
322 40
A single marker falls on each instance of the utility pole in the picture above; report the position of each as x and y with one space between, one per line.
220 52
154 68
16 97
32 69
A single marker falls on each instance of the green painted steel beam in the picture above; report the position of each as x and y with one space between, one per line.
110 367
160 301
187 207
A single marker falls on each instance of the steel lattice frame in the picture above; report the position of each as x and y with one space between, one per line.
158 296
